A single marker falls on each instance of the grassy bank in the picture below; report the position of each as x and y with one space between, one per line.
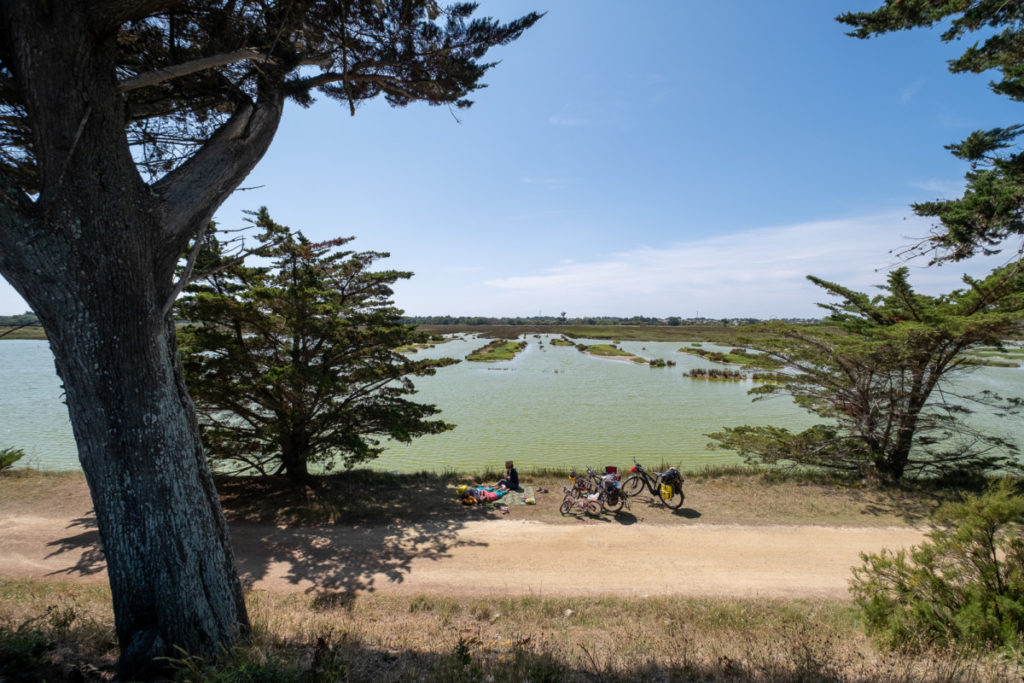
31 332
735 495
63 631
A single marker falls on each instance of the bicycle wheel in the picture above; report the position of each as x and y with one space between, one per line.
592 508
675 501
615 506
566 505
633 485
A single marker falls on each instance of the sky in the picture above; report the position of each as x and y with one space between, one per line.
659 158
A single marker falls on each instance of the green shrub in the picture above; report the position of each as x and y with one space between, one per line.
963 588
24 652
9 456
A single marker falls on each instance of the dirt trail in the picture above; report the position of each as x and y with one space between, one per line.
498 557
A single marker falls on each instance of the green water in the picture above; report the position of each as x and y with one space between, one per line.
553 405
550 406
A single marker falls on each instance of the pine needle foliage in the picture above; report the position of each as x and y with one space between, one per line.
878 370
962 588
991 211
293 364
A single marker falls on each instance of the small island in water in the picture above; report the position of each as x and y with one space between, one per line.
499 349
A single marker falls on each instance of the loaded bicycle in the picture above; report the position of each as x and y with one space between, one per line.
666 486
582 495
593 493
608 487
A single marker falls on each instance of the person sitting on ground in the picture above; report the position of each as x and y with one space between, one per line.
511 478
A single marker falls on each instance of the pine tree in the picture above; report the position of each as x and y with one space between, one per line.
294 363
878 370
991 210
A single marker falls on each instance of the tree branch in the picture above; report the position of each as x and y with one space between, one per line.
185 68
187 272
192 192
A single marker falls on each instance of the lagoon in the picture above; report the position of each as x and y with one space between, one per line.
550 406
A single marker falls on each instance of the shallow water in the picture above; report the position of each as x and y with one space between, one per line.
33 416
550 406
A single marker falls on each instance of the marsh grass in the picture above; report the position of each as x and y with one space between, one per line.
497 350
368 637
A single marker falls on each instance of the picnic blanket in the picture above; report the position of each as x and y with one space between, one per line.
517 497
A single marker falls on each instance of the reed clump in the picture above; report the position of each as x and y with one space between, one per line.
716 374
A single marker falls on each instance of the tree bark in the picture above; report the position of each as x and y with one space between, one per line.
169 558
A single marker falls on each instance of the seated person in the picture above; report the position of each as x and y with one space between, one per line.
511 478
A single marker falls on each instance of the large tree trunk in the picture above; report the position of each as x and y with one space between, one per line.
169 559
94 255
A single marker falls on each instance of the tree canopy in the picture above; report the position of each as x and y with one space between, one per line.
296 363
991 211
184 68
878 369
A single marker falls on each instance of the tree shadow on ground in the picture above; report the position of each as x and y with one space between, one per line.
353 497
914 504
288 531
328 559
343 560
87 542
389 520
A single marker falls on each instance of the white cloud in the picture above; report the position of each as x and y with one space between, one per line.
760 273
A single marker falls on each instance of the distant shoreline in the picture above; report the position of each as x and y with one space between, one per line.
31 332
708 333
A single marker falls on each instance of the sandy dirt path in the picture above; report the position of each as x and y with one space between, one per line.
498 557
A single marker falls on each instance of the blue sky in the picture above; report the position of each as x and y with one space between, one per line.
666 157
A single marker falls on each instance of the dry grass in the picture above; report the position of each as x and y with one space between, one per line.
368 637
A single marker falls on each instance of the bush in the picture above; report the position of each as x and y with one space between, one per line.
9 456
24 653
963 588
